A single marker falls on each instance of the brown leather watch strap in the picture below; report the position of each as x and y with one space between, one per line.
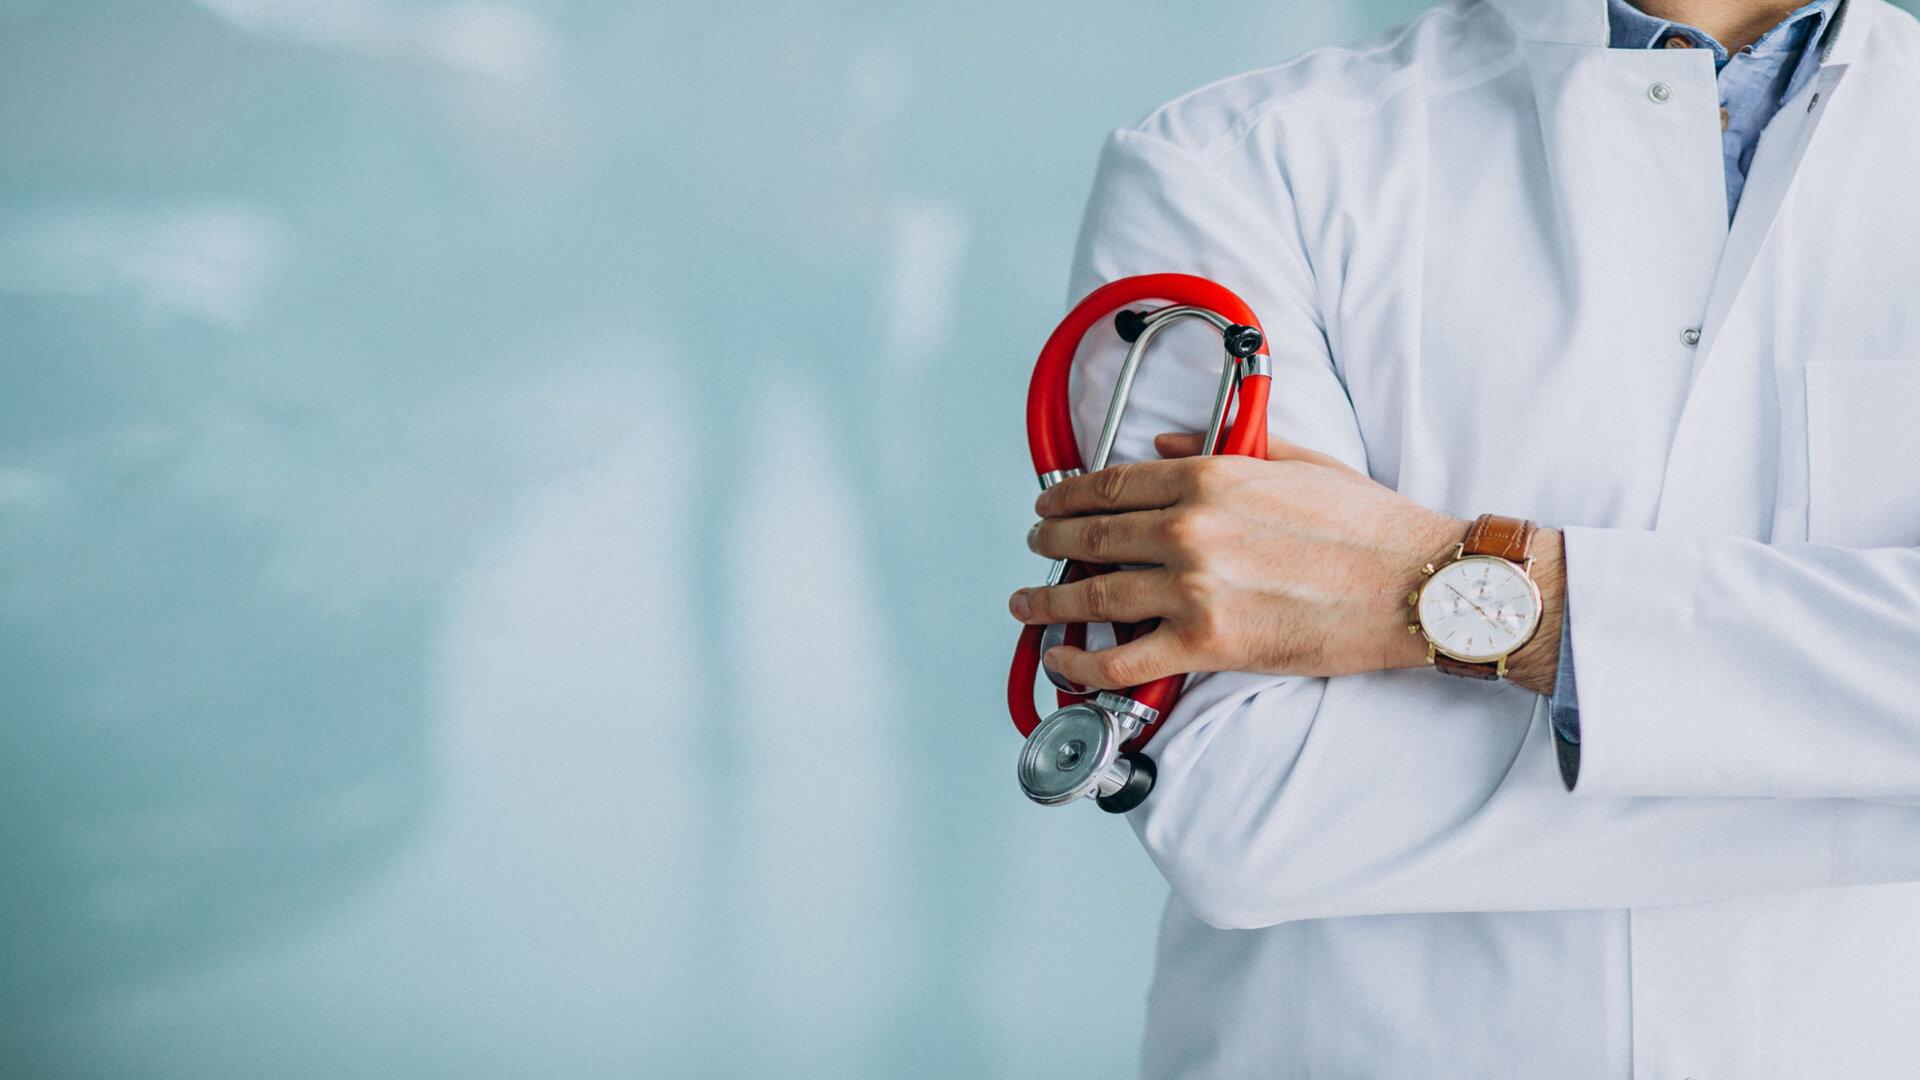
1503 538
1486 670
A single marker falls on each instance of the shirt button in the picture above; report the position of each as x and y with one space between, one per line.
1689 337
1660 91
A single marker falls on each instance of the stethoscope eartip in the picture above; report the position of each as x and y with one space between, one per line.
1243 341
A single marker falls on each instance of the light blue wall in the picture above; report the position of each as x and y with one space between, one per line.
505 512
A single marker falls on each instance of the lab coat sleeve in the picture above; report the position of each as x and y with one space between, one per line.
1285 798
1722 666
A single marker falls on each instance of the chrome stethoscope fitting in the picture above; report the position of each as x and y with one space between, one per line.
1076 753
1091 746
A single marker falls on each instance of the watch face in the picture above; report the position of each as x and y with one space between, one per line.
1479 608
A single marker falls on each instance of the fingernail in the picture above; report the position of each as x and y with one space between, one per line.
1051 658
1019 605
1032 533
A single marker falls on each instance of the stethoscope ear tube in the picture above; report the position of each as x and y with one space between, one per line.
1058 764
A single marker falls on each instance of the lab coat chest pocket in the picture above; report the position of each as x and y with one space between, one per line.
1863 453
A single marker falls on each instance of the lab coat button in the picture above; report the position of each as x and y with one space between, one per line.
1660 91
1689 337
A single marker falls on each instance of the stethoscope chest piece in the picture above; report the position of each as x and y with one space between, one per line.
1076 752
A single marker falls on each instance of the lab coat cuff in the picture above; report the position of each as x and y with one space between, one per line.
1632 599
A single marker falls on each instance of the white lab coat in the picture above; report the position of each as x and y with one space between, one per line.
1476 245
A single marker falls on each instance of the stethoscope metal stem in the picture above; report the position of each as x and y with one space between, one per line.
1151 326
1153 323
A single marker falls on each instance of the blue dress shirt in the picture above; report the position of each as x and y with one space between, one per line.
1754 83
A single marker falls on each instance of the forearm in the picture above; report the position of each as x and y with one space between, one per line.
1723 666
1400 792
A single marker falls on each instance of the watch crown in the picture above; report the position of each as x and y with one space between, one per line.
1413 628
1413 597
1427 569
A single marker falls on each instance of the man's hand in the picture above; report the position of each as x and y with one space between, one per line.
1297 565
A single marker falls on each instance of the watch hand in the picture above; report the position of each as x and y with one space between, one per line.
1472 605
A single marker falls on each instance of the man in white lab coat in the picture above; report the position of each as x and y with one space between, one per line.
1643 286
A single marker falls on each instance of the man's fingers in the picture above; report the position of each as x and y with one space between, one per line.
1180 444
1142 485
1281 450
1122 596
1141 660
1109 539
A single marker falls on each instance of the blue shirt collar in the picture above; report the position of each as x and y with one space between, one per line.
1631 28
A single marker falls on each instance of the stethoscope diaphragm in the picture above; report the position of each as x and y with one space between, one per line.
1076 753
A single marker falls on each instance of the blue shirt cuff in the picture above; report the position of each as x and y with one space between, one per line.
1564 705
1563 709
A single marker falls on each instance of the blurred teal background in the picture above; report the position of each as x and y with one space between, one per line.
505 517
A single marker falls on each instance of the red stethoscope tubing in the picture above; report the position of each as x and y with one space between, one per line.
1051 439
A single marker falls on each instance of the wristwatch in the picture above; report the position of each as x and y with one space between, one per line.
1481 606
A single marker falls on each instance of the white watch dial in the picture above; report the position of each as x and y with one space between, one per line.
1479 608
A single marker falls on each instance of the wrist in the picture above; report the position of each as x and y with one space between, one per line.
1536 664
1432 544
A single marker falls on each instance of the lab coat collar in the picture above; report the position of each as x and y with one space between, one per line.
1569 22
1584 22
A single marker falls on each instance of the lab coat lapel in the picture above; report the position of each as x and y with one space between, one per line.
1723 465
1775 164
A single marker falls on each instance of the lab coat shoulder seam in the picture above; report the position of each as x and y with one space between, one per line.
1233 123
1288 231
1408 79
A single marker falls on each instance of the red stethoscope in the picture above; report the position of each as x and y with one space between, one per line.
1091 744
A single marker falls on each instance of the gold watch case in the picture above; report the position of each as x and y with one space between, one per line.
1499 659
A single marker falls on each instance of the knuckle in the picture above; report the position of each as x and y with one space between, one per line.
1040 605
1190 529
1115 670
1181 529
1176 529
1206 477
1207 631
1214 476
1098 537
1108 485
1097 593
1197 588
